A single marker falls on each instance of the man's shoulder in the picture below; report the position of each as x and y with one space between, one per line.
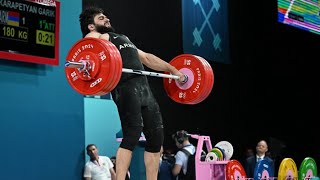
104 157
93 35
186 151
88 163
190 147
269 158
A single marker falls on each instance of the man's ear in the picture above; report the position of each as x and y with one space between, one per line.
91 27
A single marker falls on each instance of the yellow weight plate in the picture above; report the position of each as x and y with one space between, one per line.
288 169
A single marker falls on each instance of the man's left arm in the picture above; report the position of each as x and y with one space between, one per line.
157 64
273 165
111 169
113 173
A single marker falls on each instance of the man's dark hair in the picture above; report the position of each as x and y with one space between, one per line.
180 136
87 17
89 145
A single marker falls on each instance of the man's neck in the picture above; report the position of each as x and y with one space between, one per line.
186 144
261 155
95 160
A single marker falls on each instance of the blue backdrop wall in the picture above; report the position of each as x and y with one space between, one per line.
102 123
41 117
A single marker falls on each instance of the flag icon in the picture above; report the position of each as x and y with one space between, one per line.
13 18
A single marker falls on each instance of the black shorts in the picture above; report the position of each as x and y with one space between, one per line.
136 104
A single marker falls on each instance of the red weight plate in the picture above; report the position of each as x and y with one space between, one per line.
209 81
84 50
179 92
100 56
114 57
206 84
193 89
235 171
118 68
117 71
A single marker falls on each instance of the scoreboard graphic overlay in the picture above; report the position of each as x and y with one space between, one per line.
302 14
29 30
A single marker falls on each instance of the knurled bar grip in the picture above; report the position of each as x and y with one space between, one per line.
149 73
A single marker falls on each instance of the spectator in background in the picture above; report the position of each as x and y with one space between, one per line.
260 154
165 166
98 167
182 142
249 152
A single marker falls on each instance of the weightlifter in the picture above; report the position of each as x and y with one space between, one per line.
138 109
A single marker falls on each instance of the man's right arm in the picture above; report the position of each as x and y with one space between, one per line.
87 173
113 173
177 167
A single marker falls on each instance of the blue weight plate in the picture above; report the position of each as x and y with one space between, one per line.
263 170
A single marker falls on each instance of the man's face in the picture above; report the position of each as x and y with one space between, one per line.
102 24
262 147
92 151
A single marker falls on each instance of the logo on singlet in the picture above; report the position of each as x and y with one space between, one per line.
127 45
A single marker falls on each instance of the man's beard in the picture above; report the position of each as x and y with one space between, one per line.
103 29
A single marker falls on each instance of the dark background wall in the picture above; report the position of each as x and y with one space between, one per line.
268 92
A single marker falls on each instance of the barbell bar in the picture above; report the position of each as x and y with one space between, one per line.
94 67
84 64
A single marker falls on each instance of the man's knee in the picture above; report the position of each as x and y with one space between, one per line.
131 137
154 139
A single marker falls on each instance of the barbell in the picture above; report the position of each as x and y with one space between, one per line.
94 66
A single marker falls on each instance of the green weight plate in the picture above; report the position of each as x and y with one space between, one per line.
223 157
307 169
218 152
